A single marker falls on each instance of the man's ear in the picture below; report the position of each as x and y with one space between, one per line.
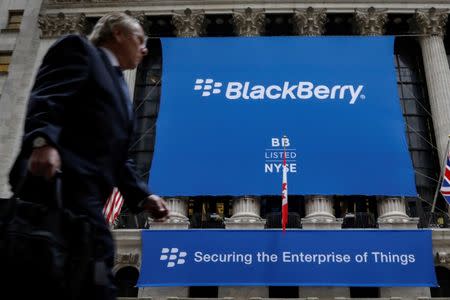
118 34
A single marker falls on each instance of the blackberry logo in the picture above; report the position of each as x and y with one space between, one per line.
301 90
207 86
173 255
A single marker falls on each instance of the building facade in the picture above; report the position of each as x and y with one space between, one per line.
421 55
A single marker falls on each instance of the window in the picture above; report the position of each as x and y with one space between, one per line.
5 59
14 21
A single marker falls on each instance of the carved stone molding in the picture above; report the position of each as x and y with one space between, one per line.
310 21
189 23
432 21
53 26
442 258
127 259
370 21
138 15
142 19
249 22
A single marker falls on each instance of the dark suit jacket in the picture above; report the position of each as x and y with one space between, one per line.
77 104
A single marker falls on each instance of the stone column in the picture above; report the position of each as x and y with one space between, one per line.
249 22
432 24
187 23
57 25
246 214
392 214
310 21
319 213
391 210
15 94
319 209
246 209
371 21
178 219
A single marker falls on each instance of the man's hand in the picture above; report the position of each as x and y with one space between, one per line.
44 161
157 207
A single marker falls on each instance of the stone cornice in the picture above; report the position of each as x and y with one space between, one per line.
370 21
310 21
158 7
53 26
128 259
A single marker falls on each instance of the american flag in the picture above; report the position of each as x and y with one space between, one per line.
445 187
112 206
284 195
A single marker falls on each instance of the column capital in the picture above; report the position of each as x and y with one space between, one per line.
431 21
140 16
249 22
55 25
370 21
189 23
442 258
309 21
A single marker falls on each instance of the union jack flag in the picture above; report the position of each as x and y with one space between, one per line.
113 205
445 187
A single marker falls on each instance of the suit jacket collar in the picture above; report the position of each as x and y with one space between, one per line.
111 56
116 82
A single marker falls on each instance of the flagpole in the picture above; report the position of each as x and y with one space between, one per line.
440 178
284 189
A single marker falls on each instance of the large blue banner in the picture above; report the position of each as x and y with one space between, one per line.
303 258
230 106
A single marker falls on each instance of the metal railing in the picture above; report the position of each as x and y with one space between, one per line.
359 220
131 221
273 220
434 220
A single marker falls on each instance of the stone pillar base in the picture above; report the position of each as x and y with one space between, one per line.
397 222
243 293
405 293
244 223
172 223
324 292
321 223
162 293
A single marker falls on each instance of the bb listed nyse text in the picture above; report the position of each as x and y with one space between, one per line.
277 154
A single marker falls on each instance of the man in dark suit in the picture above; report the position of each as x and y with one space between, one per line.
80 121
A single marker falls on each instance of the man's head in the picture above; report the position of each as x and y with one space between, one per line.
123 35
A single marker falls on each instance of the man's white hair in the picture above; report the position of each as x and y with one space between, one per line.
103 30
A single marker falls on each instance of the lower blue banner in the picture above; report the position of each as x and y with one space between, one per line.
295 258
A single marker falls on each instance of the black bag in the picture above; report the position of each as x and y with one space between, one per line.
42 247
